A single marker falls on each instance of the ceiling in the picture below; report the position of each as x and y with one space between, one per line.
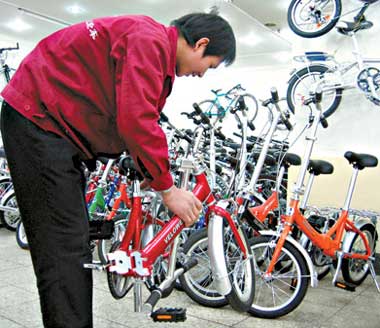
255 40
257 45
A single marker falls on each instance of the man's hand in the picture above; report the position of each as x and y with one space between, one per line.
183 203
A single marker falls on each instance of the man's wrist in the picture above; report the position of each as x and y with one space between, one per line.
166 191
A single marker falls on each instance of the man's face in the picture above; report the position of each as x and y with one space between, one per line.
192 62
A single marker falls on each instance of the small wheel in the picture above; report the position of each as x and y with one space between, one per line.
304 80
198 282
285 288
241 270
21 239
118 284
355 271
311 19
10 218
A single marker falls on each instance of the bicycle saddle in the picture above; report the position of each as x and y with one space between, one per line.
318 167
127 165
347 27
291 159
360 160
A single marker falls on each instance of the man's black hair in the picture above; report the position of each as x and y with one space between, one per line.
201 25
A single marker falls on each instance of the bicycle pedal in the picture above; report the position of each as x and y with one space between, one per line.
94 266
169 315
345 285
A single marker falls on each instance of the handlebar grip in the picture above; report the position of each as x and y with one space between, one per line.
198 110
318 95
241 103
220 135
251 126
164 118
152 300
324 122
187 138
265 103
288 125
274 94
237 134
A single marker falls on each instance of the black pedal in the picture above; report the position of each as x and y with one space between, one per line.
169 315
345 285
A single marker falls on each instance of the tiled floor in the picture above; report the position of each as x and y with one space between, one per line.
325 306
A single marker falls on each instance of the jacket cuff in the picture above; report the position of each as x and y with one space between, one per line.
163 182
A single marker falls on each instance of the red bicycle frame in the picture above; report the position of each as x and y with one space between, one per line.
142 260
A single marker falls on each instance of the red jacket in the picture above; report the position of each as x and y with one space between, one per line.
102 85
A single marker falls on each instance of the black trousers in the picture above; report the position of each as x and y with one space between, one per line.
49 183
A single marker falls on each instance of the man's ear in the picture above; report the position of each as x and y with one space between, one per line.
202 42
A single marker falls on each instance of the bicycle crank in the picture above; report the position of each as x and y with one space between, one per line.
368 81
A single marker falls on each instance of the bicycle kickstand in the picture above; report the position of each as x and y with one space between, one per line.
371 260
341 284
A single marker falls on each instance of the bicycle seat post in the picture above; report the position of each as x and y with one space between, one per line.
351 188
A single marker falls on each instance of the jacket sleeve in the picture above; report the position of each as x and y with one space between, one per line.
140 73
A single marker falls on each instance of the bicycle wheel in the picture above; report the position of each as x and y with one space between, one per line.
10 218
240 270
5 185
21 239
285 289
311 19
355 271
198 282
119 285
304 80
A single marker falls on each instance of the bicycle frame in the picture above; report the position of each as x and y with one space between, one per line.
218 105
329 242
139 262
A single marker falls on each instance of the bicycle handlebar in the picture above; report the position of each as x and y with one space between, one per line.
274 99
203 116
10 48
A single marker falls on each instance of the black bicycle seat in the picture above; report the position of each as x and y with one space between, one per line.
318 167
361 160
348 27
291 159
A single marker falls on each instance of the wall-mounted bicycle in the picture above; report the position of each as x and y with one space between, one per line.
313 18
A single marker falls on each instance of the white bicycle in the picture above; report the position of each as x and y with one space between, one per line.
333 77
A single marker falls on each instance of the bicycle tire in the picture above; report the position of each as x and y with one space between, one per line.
198 282
119 285
240 271
355 271
268 303
9 219
295 96
21 238
5 185
295 24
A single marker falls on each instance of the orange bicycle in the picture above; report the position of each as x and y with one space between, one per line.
284 268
